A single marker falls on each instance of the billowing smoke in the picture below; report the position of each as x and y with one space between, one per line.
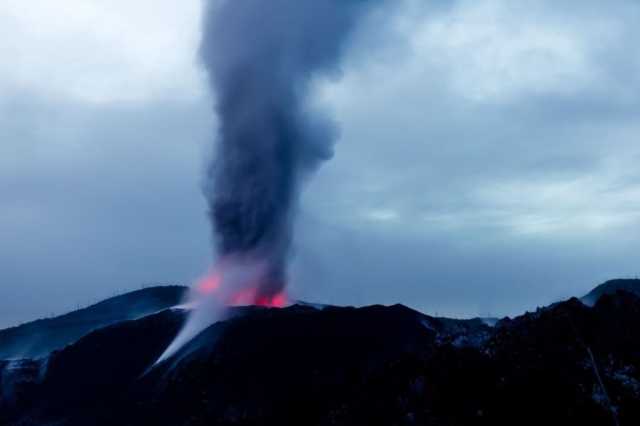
262 58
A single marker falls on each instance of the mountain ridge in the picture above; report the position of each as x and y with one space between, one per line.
631 285
372 365
40 337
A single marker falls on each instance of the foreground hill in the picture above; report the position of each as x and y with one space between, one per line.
39 338
377 365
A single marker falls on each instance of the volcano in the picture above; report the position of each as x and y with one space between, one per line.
39 338
304 364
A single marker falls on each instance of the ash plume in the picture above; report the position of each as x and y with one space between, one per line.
262 57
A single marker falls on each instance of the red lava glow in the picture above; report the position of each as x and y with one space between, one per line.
212 283
209 284
250 297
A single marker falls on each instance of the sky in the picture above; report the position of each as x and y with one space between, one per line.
487 160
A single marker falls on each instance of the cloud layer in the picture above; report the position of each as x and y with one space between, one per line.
487 159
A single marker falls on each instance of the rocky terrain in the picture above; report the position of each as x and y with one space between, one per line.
39 338
569 363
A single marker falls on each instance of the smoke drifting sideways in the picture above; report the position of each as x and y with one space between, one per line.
262 58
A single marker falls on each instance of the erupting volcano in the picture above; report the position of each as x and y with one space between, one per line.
211 286
262 59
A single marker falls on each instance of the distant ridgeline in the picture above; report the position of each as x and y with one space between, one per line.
612 287
39 338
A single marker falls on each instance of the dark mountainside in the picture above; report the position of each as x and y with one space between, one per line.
564 364
38 338
611 287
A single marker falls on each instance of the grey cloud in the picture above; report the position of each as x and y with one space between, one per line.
449 203
97 199
563 207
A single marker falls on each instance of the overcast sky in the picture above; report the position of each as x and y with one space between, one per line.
487 160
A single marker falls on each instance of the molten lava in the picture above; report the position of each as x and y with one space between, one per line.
211 286
250 297
232 281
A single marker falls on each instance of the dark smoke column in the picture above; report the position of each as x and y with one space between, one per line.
262 56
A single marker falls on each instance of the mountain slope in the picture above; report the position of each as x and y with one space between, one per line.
376 365
38 338
611 287
567 363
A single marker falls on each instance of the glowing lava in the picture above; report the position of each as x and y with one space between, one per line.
250 297
232 281
212 286
209 284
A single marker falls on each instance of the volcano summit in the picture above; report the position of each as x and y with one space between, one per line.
319 365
